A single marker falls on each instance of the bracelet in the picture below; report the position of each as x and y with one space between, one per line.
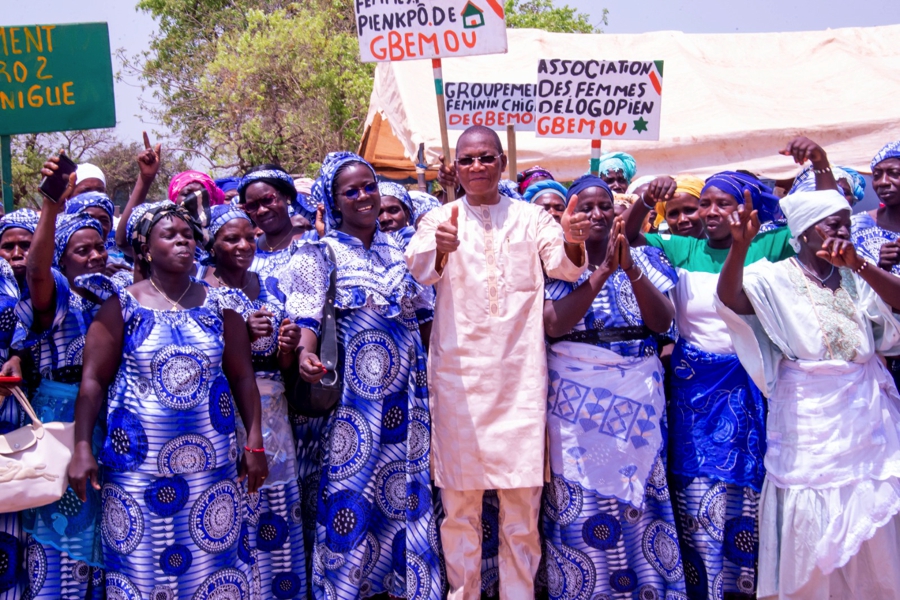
647 206
822 171
861 268
254 450
633 281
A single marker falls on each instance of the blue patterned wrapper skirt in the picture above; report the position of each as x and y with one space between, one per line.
175 536
715 469
63 558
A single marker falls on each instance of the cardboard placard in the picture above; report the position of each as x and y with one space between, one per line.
594 99
392 30
494 105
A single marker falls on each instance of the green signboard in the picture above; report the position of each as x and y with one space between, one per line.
55 78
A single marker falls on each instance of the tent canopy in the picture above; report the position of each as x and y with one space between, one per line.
730 101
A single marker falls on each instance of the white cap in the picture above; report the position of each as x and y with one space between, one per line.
804 209
89 171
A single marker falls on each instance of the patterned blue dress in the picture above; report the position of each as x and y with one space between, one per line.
171 506
607 519
376 524
63 557
272 534
12 539
308 431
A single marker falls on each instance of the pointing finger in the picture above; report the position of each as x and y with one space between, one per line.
146 141
748 201
158 150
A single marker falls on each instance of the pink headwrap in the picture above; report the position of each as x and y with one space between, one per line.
216 196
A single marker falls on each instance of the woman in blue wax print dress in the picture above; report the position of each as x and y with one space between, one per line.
16 232
608 524
166 354
376 530
272 536
266 193
63 558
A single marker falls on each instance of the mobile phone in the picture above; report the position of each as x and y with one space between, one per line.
10 380
54 185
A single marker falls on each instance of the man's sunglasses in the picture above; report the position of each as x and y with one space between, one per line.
353 193
468 161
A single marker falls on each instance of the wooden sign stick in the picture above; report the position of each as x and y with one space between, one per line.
442 117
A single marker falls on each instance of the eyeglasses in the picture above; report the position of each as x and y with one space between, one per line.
267 201
468 161
353 193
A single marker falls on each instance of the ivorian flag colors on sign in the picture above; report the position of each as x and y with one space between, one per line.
392 31
599 99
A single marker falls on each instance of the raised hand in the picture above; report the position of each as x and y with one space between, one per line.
149 160
838 251
623 248
50 166
446 236
447 175
576 226
660 189
744 222
802 149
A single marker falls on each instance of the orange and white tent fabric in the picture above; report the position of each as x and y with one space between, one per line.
729 100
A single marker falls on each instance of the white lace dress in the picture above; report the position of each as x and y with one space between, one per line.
829 505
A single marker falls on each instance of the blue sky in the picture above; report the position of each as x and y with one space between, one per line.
131 30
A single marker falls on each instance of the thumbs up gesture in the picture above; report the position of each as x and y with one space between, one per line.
447 234
576 226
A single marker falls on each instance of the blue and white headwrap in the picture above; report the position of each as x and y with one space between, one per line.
277 178
734 184
221 214
136 213
389 188
890 150
323 188
510 189
545 187
806 181
857 182
305 206
422 204
24 218
66 226
79 203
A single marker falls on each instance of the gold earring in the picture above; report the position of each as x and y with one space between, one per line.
149 258
803 239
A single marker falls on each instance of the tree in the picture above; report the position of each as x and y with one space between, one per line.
116 159
29 151
542 14
241 82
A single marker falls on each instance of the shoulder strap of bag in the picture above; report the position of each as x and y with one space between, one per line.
328 345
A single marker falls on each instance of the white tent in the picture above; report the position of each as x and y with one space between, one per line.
729 100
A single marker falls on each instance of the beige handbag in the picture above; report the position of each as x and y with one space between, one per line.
33 461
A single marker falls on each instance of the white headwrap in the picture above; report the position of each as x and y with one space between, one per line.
89 171
805 209
639 182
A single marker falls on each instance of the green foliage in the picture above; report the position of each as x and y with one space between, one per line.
247 81
543 14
